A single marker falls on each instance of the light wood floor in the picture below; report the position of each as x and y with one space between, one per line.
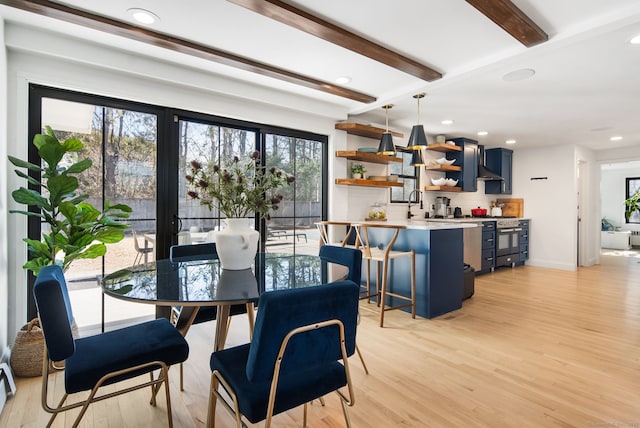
532 348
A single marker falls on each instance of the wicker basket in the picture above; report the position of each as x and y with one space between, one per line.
28 350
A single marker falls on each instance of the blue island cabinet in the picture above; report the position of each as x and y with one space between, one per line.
439 268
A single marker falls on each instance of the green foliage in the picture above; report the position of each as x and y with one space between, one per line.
632 204
77 229
358 168
238 188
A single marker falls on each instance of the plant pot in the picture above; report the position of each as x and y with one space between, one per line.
237 245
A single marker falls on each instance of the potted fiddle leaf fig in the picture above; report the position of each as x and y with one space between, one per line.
77 229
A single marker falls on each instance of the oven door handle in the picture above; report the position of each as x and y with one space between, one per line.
505 230
517 229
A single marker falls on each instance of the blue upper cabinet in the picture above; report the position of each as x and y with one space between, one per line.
499 161
467 158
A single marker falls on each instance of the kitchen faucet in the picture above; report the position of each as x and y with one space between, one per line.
416 191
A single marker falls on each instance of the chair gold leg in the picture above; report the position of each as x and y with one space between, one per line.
345 412
383 292
154 390
366 370
181 378
304 416
213 398
165 374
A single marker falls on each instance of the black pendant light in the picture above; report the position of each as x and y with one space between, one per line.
386 146
418 139
416 158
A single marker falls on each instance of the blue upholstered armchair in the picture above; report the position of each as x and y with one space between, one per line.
299 352
104 359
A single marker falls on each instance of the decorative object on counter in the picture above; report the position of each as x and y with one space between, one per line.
377 212
239 189
416 158
496 209
445 161
606 225
513 207
386 146
479 212
358 170
457 212
418 138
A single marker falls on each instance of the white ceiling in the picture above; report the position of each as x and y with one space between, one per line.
586 86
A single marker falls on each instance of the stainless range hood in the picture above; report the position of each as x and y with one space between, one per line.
485 173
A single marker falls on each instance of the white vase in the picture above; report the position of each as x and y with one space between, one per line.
237 245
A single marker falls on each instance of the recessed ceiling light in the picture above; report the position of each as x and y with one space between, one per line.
616 138
447 122
343 80
510 142
635 40
521 74
482 133
143 16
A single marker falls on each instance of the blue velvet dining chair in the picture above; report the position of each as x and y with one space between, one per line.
104 359
192 252
351 258
299 352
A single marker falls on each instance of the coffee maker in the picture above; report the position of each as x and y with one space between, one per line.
442 208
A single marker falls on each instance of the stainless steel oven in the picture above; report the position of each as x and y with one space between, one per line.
507 241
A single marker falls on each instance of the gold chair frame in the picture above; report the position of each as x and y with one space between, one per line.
155 384
216 379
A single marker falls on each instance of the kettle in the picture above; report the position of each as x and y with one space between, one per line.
457 212
496 212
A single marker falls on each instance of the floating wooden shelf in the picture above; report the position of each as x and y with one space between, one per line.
443 188
444 168
368 183
443 147
367 157
367 131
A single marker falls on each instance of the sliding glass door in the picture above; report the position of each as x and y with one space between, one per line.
140 157
122 145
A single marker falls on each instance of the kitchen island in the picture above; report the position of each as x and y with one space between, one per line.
439 262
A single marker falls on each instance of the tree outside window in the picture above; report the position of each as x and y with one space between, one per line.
632 213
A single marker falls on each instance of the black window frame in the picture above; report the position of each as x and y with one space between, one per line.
406 155
632 183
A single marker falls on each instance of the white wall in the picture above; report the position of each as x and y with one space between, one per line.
550 203
4 275
48 59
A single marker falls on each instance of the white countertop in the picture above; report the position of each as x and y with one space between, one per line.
419 224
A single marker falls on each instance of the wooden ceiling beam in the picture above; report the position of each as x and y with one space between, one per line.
512 20
304 21
123 29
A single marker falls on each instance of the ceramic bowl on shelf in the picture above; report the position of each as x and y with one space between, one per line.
368 149
438 181
450 182
445 161
392 178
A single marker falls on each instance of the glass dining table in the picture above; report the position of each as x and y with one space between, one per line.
199 283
